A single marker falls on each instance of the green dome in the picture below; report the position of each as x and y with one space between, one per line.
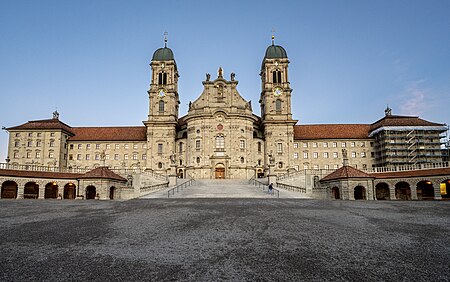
275 52
163 54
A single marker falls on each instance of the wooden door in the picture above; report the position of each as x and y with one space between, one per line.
220 173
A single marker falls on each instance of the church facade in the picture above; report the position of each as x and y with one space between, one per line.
221 137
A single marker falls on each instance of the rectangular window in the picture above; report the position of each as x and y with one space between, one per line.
325 155
126 146
279 148
144 146
295 145
197 144
79 157
70 157
316 167
88 157
305 166
160 147
315 145
315 155
135 146
97 146
51 155
117 146
125 157
353 154
97 157
144 156
30 144
363 144
372 154
16 144
335 155
108 146
39 135
16 155
295 155
335 166
88 146
305 145
30 134
363 154
106 156
52 143
135 156
52 134
334 144
325 144
242 144
305 155
71 146
38 155
296 167
116 157
38 143
352 144
344 144
28 155
326 167
80 146
364 166
17 134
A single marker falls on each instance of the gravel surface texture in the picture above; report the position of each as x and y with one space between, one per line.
224 239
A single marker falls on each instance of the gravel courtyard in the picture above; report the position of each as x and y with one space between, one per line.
224 239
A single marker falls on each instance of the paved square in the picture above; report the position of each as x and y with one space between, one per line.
224 239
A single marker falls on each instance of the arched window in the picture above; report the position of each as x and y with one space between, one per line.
198 160
276 76
180 150
162 78
161 106
259 147
160 165
220 142
278 105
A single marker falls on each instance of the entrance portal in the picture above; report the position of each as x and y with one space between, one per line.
220 171
91 192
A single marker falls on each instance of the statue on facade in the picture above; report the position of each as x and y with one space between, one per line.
208 77
173 158
220 72
130 180
271 158
344 153
232 76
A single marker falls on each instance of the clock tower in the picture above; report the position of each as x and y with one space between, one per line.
275 101
163 109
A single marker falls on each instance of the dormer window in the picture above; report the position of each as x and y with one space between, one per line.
162 78
276 76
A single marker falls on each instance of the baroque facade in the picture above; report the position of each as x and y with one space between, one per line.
220 136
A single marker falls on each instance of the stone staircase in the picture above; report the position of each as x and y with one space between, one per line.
225 188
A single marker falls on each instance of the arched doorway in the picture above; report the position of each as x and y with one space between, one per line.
220 171
360 193
31 190
51 191
335 193
112 192
445 189
91 191
9 190
180 173
425 190
402 191
69 191
382 191
260 173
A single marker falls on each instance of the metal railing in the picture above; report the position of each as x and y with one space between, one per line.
180 187
154 187
264 187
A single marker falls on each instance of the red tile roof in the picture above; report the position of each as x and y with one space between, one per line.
346 172
331 131
102 172
413 173
128 133
39 174
53 123
392 120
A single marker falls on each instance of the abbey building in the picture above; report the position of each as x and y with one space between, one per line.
221 137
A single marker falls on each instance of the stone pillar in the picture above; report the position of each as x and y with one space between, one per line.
392 192
437 190
173 175
41 191
413 191
20 190
60 192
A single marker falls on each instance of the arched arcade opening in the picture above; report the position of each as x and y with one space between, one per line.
31 190
69 191
51 191
382 191
335 193
9 190
425 190
91 192
402 191
360 193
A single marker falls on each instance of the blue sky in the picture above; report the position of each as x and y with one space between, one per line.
349 59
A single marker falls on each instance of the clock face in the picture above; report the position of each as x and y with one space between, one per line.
162 93
277 91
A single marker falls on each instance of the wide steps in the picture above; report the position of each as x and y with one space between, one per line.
224 188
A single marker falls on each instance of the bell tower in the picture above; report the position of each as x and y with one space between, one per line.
275 101
163 109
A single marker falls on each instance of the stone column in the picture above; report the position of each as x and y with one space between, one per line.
413 191
392 192
20 190
60 192
41 191
437 190
173 175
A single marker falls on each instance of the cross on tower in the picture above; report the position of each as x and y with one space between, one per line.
273 36
165 38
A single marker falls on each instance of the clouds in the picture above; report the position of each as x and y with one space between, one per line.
415 100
